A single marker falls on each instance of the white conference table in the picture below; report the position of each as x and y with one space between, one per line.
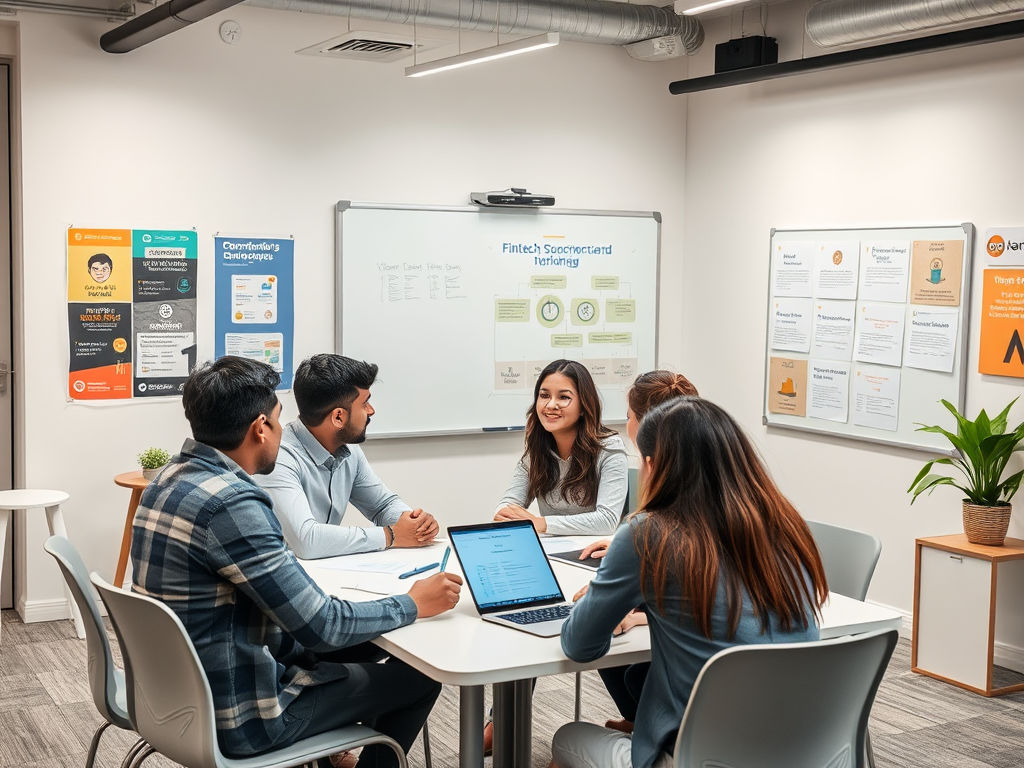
458 648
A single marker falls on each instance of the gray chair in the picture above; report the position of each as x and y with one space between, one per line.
169 698
849 558
780 706
105 681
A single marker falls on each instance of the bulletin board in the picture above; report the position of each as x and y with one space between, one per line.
462 307
867 331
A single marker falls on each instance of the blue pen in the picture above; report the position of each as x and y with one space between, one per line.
414 571
444 560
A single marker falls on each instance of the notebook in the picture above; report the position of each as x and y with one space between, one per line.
509 576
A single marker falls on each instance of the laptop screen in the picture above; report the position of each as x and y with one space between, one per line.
504 565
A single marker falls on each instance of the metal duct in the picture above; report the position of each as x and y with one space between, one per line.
841 22
589 21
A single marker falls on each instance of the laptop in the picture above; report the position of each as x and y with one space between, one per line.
509 576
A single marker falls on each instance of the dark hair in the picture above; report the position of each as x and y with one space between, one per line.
223 398
715 514
581 480
656 387
100 258
325 382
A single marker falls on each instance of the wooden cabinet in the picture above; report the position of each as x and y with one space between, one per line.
956 609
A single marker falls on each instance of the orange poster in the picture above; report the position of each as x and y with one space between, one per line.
787 386
1002 323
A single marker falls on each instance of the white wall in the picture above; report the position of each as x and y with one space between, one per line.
933 139
252 138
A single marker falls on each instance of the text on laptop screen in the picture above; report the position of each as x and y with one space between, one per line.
506 566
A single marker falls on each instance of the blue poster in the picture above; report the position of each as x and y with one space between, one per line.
255 301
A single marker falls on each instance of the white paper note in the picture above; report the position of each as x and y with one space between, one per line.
791 324
931 338
833 329
884 271
828 390
792 269
880 333
876 398
835 270
554 544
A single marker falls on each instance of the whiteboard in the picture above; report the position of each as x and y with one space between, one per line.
933 305
461 307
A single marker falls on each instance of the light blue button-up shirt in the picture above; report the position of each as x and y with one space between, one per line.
311 490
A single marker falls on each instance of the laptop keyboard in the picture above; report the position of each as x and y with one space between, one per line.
539 614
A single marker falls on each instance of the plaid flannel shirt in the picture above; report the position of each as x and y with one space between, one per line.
207 543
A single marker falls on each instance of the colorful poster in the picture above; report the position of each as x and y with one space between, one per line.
787 386
1002 323
131 312
255 301
935 272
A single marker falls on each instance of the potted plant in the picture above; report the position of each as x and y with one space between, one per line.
983 448
151 460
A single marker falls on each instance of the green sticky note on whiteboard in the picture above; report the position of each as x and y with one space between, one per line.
604 282
548 281
511 310
567 340
620 311
610 338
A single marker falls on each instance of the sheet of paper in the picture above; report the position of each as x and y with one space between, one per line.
370 562
880 334
931 338
936 270
787 386
553 544
793 269
835 270
884 270
876 398
791 324
828 390
833 329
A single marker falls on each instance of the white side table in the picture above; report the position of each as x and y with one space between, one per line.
28 498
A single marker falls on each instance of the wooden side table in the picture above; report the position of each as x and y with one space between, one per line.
137 483
956 607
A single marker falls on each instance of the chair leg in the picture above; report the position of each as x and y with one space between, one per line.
132 752
94 745
426 746
141 756
579 696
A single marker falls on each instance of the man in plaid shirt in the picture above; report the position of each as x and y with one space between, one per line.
284 660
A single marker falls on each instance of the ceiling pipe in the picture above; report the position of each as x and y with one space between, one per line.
1008 30
841 22
162 20
591 21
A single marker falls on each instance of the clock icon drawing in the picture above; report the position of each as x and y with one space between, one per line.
550 311
585 311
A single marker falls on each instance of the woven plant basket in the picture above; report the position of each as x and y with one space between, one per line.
986 525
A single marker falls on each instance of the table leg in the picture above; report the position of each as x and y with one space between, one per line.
55 520
523 723
504 725
5 515
471 726
126 538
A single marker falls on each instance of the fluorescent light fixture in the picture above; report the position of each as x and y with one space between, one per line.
704 7
484 54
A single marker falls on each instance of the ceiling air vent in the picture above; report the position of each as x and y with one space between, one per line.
371 46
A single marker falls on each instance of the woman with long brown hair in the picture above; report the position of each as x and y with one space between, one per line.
717 556
573 465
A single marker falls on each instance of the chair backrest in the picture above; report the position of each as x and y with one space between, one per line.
169 698
779 706
632 490
102 678
849 558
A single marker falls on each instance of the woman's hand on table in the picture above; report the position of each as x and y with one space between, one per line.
436 594
598 549
634 618
515 512
581 593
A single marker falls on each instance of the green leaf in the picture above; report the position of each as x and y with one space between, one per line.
931 482
1010 485
999 422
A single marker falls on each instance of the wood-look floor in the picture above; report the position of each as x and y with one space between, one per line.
47 716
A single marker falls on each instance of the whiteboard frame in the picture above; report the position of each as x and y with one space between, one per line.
344 205
965 315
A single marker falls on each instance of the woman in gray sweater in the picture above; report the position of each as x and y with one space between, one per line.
573 465
716 555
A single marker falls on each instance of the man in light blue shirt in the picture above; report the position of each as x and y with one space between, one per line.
320 468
